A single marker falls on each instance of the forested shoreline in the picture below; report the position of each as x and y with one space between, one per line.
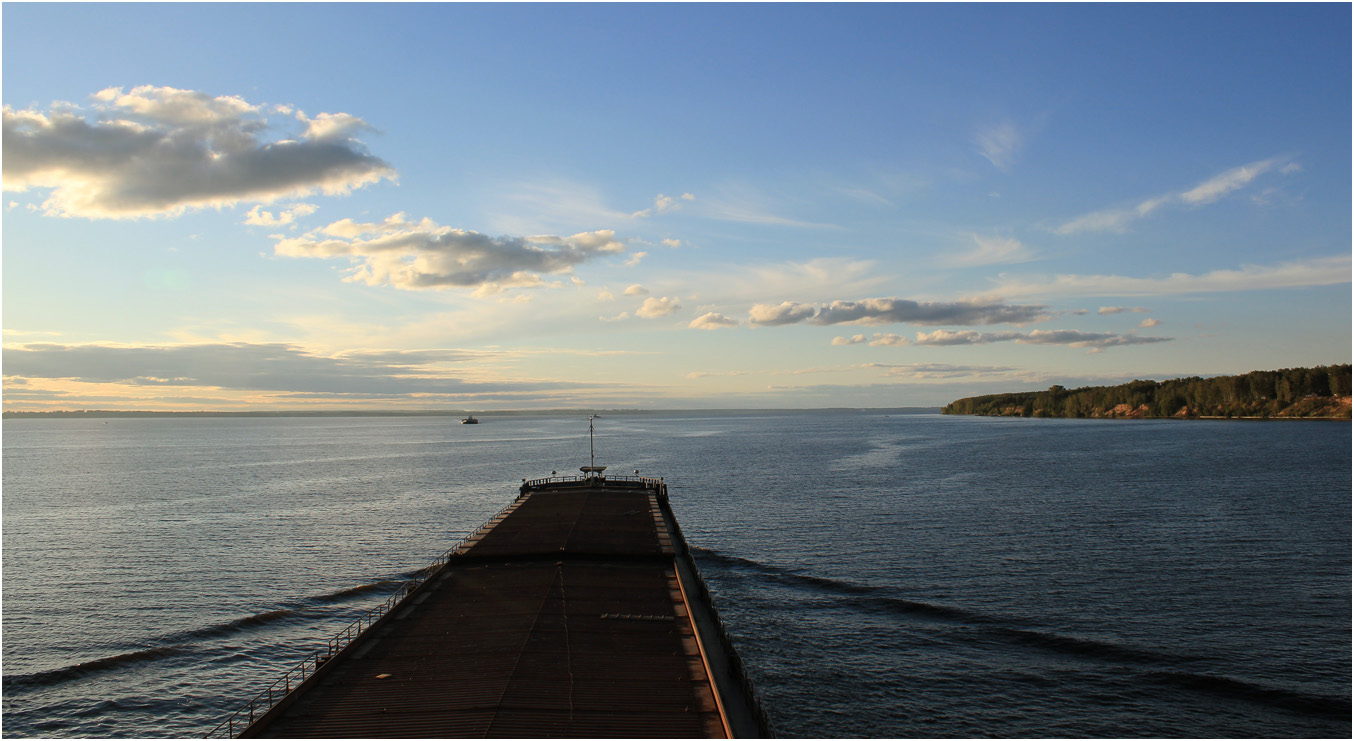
1322 392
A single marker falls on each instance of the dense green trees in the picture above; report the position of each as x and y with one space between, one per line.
1290 392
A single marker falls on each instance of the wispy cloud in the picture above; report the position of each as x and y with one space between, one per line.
663 204
1209 191
747 205
158 151
1322 271
425 255
924 371
896 311
999 144
990 251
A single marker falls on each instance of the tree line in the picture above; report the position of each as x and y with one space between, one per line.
1289 392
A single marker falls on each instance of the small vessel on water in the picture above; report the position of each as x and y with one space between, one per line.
470 420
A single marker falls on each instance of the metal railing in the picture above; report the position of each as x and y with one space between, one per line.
294 677
549 481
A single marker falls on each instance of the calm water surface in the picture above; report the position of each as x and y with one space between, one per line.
896 576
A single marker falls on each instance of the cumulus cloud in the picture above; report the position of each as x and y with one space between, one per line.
1071 338
654 307
635 259
1209 191
712 320
158 151
1148 323
1322 271
852 340
888 340
786 312
636 290
425 255
673 243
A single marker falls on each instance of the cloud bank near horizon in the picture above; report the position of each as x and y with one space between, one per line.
271 367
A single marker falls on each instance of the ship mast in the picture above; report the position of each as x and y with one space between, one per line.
592 469
592 456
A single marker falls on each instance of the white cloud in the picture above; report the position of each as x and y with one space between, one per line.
258 217
1322 271
999 144
1120 309
662 204
424 255
1214 188
158 151
852 340
655 307
636 290
606 295
331 126
888 340
712 320
673 243
1209 191
635 259
1149 322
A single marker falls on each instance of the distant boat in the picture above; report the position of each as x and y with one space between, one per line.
470 420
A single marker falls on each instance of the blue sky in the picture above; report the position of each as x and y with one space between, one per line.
267 206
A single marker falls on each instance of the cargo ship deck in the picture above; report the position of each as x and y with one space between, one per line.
576 612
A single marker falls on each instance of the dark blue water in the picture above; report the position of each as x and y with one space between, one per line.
896 576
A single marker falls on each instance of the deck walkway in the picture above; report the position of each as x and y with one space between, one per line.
575 613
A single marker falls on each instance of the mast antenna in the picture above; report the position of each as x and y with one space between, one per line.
592 456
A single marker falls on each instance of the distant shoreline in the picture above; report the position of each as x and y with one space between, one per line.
115 413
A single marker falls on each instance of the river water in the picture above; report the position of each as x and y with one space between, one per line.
881 575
